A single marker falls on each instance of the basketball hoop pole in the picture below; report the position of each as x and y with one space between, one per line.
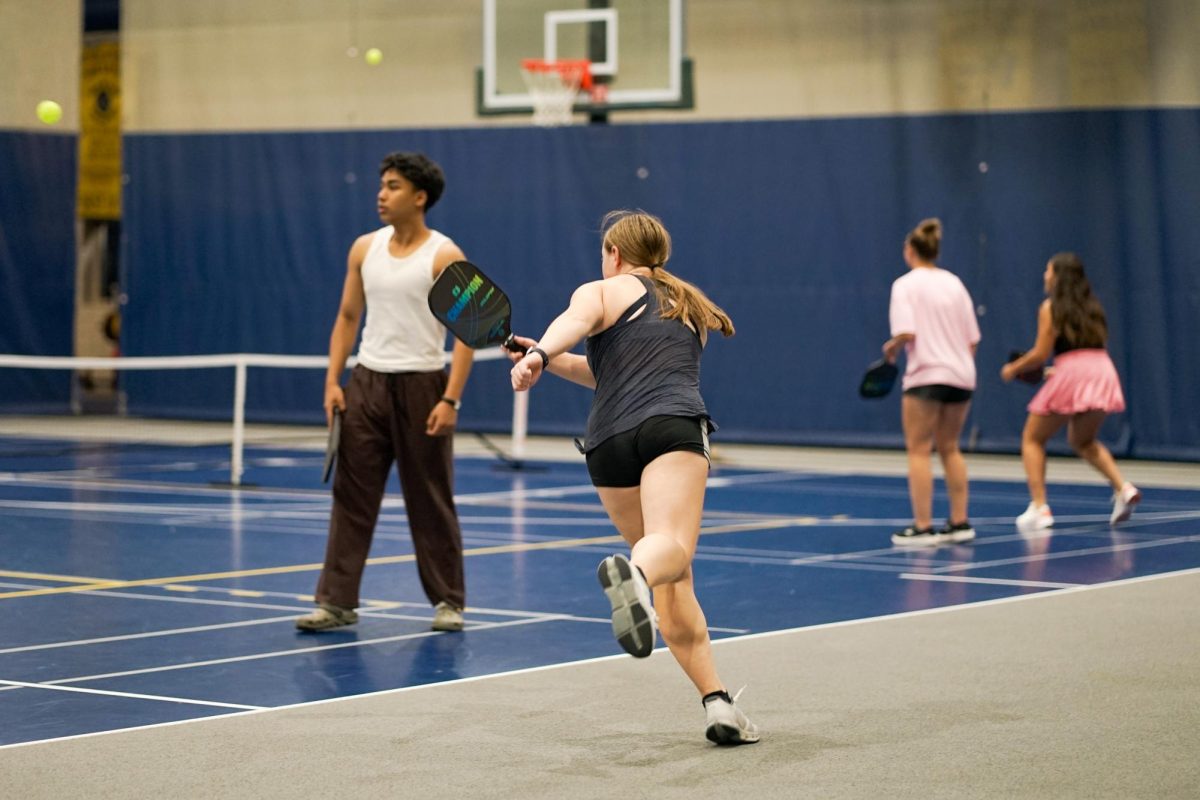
598 54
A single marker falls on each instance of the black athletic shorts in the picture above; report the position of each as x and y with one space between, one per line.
620 459
940 392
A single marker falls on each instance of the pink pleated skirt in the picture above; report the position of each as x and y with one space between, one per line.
1083 380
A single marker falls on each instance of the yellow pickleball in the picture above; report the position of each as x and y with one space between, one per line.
373 56
49 112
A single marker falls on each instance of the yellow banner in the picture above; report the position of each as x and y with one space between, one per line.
100 132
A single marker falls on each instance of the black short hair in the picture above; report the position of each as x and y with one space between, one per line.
422 171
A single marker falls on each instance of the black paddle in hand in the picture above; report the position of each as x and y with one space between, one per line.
1034 375
473 307
878 380
331 446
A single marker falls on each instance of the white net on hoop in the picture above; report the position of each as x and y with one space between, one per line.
553 87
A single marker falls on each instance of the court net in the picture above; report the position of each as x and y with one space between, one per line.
207 406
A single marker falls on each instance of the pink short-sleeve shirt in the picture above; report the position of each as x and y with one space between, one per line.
934 306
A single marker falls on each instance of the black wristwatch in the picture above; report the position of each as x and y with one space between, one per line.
542 353
455 404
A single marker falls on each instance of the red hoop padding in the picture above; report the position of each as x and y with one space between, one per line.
567 67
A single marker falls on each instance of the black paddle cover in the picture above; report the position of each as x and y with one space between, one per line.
878 380
331 446
472 307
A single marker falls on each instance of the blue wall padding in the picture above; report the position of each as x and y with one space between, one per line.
237 242
37 264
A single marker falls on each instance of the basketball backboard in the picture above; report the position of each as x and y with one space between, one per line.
635 47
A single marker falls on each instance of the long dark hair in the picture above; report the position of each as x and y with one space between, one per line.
1075 311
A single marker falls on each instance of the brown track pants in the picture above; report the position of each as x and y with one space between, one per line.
385 422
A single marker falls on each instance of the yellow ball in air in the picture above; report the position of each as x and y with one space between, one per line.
49 112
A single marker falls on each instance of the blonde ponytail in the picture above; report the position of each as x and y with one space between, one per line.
644 242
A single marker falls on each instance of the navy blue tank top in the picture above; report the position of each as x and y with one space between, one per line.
645 366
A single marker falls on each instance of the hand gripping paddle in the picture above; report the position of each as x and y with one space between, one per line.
878 380
1034 375
473 307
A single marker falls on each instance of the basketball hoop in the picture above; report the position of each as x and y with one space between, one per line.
553 87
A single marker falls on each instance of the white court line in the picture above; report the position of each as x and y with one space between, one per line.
183 700
917 576
293 652
522 616
116 508
1087 551
791 554
145 635
1016 495
582 662
370 612
45 481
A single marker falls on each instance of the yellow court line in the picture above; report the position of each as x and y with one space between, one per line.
100 583
38 576
97 584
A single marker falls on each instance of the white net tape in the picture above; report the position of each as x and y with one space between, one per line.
553 90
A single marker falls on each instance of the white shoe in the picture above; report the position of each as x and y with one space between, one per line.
1036 518
634 622
726 724
447 617
1123 503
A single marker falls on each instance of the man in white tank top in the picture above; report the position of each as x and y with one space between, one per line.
399 406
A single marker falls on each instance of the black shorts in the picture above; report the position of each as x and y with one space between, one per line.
620 459
940 393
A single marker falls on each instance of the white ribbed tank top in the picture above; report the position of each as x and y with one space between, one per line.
401 334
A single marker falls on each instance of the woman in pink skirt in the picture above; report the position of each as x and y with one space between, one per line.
1081 392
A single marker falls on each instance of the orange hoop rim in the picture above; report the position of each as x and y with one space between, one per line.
563 66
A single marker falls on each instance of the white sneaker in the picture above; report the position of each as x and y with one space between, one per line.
1123 503
726 722
634 622
1036 518
447 617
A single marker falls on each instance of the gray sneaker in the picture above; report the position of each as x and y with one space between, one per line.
447 618
726 722
634 622
327 617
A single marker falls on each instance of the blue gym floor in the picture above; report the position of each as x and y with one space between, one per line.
137 592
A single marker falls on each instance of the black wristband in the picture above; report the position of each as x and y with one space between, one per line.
542 353
455 404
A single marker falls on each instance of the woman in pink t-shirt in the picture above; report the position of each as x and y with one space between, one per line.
933 321
1083 390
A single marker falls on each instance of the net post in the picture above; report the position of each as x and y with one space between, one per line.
520 424
239 420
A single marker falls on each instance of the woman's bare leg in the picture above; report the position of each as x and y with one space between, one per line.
1081 434
951 418
1038 430
919 418
662 522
